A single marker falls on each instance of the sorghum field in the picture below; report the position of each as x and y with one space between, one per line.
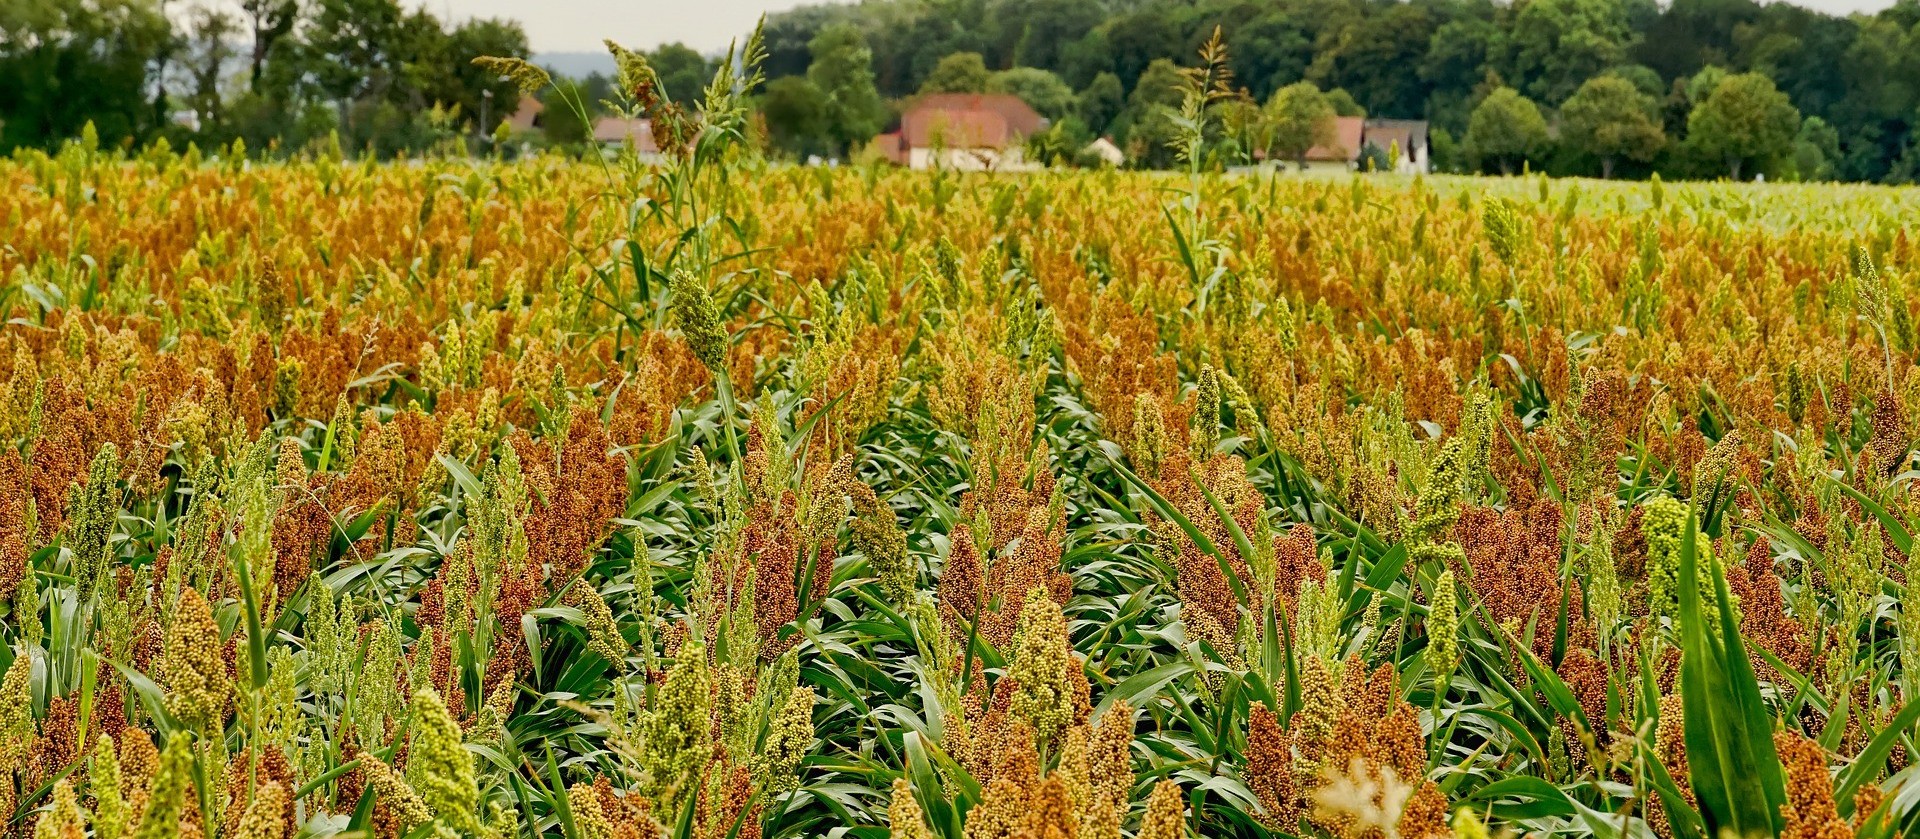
713 498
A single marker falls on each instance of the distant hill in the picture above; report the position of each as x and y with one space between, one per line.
575 64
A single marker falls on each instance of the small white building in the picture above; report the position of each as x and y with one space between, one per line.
1404 141
1107 152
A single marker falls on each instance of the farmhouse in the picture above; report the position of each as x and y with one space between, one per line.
527 115
977 131
1341 155
1402 143
614 132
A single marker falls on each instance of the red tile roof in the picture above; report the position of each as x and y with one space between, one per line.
1346 145
617 130
526 115
889 145
968 120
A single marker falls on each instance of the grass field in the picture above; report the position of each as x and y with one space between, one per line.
724 499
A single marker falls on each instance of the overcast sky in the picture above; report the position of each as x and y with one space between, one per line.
705 25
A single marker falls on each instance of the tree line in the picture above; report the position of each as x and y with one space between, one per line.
266 74
1698 88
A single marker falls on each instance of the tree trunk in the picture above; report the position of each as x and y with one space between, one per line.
1606 168
1733 166
259 57
1505 167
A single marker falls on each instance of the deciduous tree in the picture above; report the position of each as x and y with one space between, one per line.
1744 121
1299 117
1610 119
842 71
1506 128
961 72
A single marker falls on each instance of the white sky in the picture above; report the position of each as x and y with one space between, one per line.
581 25
705 25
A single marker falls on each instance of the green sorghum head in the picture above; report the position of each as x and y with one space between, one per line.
265 816
110 811
1501 217
1039 665
93 509
877 535
1663 525
698 317
1149 444
439 767
1204 431
1443 627
1439 504
788 739
63 820
675 734
167 801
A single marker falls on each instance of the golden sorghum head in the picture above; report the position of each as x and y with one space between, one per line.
1110 754
1038 666
1809 811
1713 470
265 817
63 820
199 691
16 713
1072 770
698 317
525 75
1320 707
1050 810
1890 444
139 765
1425 815
1166 813
1866 810
1669 735
392 790
1001 812
1269 771
905 819
961 590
